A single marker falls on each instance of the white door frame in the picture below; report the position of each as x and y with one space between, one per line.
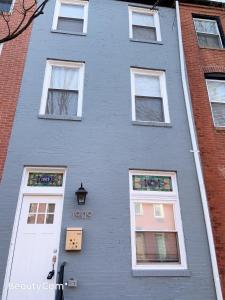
31 191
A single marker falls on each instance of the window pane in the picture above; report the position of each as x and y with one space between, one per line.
216 90
142 19
207 26
62 103
51 208
50 219
41 219
149 109
33 207
64 78
144 33
147 85
218 114
72 11
5 5
31 219
209 41
41 207
148 220
157 247
70 25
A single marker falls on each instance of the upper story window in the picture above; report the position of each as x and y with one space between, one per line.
63 89
71 16
5 5
216 91
144 24
156 228
208 33
149 96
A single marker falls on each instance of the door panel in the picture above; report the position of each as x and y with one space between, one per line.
36 243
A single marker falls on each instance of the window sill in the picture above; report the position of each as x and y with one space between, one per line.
161 273
146 42
68 32
63 118
220 129
209 48
155 124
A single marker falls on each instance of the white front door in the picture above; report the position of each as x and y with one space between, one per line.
37 242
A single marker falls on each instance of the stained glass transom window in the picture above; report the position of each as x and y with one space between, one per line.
152 183
45 179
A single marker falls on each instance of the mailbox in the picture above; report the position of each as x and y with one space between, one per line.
73 239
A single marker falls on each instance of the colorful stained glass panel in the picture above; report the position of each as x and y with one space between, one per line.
45 179
152 183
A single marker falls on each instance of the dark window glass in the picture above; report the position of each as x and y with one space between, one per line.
157 247
62 102
149 109
5 5
70 24
209 41
144 33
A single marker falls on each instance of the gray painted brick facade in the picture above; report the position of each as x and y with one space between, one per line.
100 149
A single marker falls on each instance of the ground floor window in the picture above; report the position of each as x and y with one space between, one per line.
157 236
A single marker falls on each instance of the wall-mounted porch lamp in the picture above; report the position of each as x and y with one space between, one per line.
81 194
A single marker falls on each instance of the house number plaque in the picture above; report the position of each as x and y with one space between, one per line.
82 214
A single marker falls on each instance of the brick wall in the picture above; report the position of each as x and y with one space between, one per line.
12 60
211 140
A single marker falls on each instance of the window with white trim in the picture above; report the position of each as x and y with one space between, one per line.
144 24
208 33
63 89
216 91
71 16
149 96
156 233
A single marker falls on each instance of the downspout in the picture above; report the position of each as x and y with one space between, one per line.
197 160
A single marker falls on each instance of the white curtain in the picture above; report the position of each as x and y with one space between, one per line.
216 90
64 78
72 11
206 26
142 19
147 86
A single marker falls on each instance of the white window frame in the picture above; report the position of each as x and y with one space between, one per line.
47 80
163 89
71 2
211 101
155 197
213 34
146 11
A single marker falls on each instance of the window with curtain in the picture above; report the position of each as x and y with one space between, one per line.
208 33
157 238
144 24
71 16
62 92
149 96
216 91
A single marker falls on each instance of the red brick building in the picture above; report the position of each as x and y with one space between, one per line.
12 59
203 28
